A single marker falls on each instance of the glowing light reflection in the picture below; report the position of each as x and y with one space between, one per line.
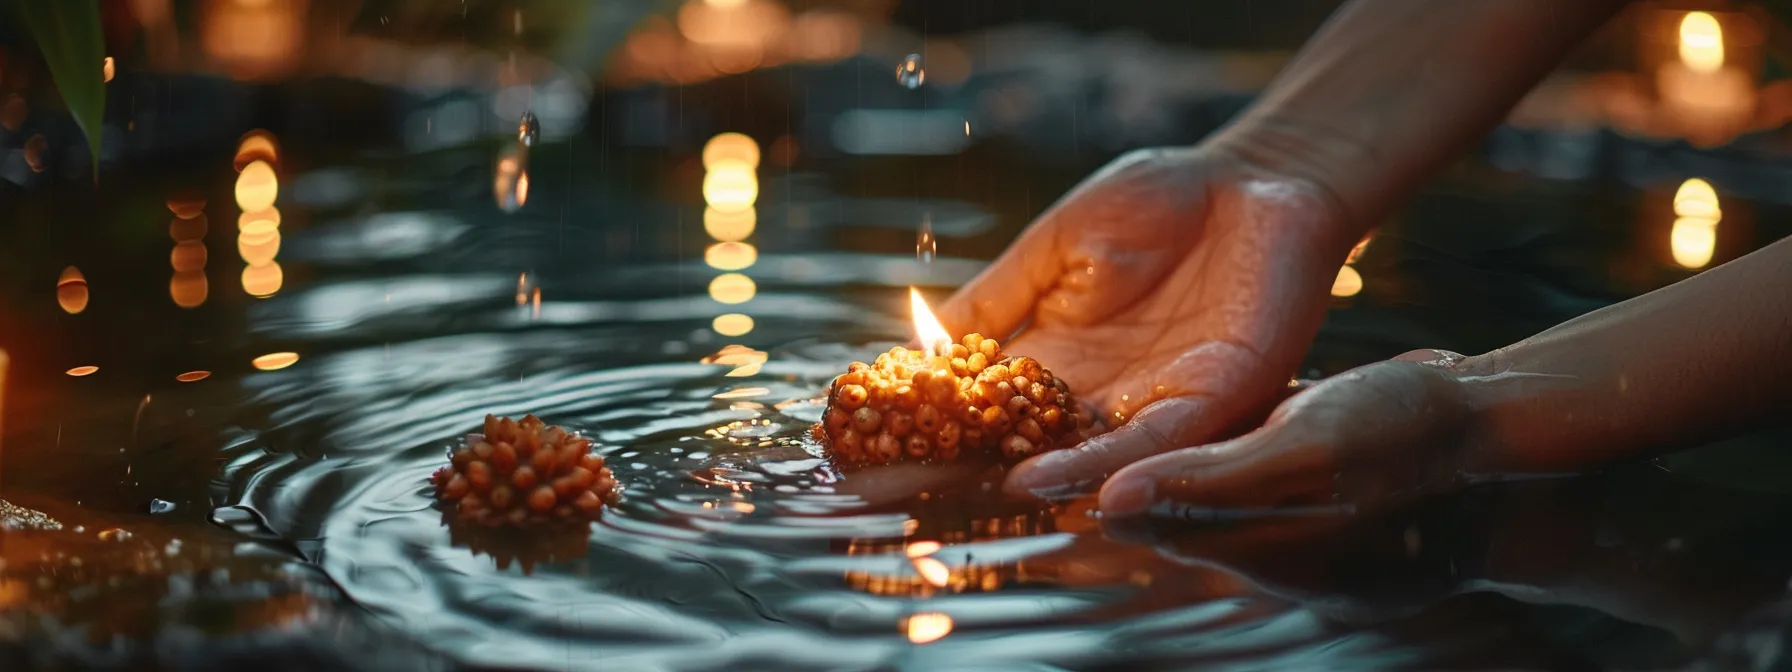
928 627
275 361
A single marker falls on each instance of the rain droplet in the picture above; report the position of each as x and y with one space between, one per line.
925 245
528 130
160 506
909 72
510 180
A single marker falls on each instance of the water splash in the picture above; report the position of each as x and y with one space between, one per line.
909 72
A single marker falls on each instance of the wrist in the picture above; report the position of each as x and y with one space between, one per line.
1299 149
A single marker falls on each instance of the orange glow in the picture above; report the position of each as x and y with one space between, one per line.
254 39
1357 252
256 145
183 230
747 23
188 255
1348 282
732 324
1701 42
742 393
275 361
107 69
730 186
83 371
1696 198
929 627
263 281
746 361
258 249
731 146
71 291
922 549
825 35
1693 241
535 304
934 572
186 206
732 288
522 288
730 256
193 376
257 187
932 334
258 223
188 288
729 226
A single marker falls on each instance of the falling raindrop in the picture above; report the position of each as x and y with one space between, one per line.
909 72
925 245
160 506
528 130
510 181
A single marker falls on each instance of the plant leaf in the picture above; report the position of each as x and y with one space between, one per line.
68 32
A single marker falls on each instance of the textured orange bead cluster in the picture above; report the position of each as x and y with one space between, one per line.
919 405
525 472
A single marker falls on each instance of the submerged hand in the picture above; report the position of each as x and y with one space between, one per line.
1176 289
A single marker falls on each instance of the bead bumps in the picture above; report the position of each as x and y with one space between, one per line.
920 405
525 471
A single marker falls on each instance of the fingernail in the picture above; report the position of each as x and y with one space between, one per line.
1041 477
1131 497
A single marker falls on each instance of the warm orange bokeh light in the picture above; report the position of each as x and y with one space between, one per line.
1701 42
729 226
732 288
83 371
732 324
254 39
107 68
256 145
257 187
275 361
929 627
188 288
731 146
183 230
263 281
188 255
730 186
1348 282
258 249
730 256
193 376
71 290
1693 240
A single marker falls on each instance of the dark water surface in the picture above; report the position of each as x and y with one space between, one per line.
302 523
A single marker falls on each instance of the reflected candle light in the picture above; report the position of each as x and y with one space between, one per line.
188 288
257 187
928 627
258 249
732 324
275 361
1348 282
730 147
71 291
729 226
732 288
256 145
730 256
263 281
1693 240
80 371
193 376
730 186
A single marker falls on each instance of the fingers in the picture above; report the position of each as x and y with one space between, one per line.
1002 297
1367 437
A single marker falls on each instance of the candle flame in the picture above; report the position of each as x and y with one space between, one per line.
934 337
1701 42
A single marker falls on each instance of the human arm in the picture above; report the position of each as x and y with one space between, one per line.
1691 362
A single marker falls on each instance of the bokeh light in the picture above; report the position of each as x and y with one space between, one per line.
193 376
928 627
71 291
730 256
730 185
732 288
1348 282
732 324
275 361
257 187
256 145
263 281
731 147
1701 42
189 288
80 371
729 225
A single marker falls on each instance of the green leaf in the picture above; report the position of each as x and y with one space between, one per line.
68 32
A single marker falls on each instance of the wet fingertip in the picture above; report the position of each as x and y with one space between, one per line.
1127 497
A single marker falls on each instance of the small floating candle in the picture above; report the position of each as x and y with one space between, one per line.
945 400
521 472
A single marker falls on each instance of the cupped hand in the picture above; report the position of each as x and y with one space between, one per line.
1366 439
1175 290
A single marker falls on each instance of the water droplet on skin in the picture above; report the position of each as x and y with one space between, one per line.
160 506
909 73
528 130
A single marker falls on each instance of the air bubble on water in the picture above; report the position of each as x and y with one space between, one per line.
909 72
925 245
160 506
528 130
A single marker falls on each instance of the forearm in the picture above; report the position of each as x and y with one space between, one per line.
1695 361
1389 90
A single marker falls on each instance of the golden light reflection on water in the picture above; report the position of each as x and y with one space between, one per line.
746 361
742 393
258 249
80 371
731 147
263 281
922 549
729 227
730 256
258 222
1348 282
927 627
71 291
730 186
275 361
1693 240
188 288
732 324
732 288
256 145
188 255
257 187
193 376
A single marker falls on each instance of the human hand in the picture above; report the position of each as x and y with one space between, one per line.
1368 438
1176 290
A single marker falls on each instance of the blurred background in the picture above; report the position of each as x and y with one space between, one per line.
264 257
